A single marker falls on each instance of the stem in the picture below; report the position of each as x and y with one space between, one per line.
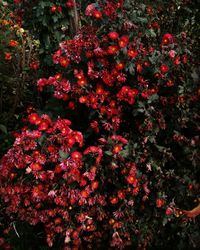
74 20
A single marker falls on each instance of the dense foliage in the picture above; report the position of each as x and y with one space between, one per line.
112 158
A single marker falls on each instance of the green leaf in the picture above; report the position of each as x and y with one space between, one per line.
46 40
142 19
153 98
140 110
131 69
150 33
63 155
55 18
124 153
41 139
3 129
42 4
108 153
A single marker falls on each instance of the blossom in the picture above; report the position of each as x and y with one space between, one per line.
13 43
167 39
8 56
172 53
90 9
113 35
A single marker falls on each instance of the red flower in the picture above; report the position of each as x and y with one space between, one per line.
170 83
123 41
94 185
71 105
112 49
119 138
34 65
160 202
36 167
8 56
83 182
164 68
84 194
59 9
185 59
121 194
167 39
77 156
53 8
64 62
132 53
114 200
13 43
177 60
169 211
82 82
43 126
97 14
113 35
119 66
83 99
70 3
34 119
78 136
117 148
131 179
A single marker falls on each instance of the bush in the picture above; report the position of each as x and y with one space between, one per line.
118 174
49 22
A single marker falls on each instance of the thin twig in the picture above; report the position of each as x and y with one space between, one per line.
16 230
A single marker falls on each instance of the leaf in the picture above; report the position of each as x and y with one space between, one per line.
63 155
108 153
57 35
142 19
42 4
150 33
153 98
3 129
140 110
124 153
46 40
165 220
41 140
55 19
131 69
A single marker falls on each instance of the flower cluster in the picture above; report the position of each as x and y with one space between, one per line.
45 178
126 86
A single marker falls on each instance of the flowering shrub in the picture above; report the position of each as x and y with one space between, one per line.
19 63
48 21
121 172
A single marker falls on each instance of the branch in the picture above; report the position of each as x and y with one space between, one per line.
74 22
192 213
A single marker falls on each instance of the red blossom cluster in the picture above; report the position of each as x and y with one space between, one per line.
105 84
107 181
45 178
